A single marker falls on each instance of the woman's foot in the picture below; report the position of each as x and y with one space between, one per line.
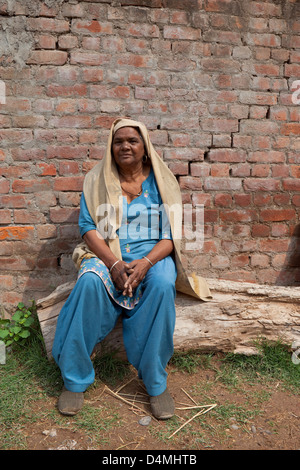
70 403
162 406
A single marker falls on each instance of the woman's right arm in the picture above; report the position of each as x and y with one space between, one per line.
98 246
120 270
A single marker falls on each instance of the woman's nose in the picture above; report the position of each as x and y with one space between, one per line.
125 144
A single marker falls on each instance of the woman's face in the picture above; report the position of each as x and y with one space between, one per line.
128 148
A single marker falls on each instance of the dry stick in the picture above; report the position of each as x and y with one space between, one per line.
125 445
202 412
193 407
124 385
123 399
189 396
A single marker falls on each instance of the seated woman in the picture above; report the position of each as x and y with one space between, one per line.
129 263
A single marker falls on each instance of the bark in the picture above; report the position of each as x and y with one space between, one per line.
238 315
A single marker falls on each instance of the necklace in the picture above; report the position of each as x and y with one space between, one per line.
131 194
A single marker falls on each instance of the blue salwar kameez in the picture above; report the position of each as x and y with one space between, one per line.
95 305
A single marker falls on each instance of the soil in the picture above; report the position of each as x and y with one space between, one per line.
250 416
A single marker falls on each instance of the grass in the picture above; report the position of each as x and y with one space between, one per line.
28 381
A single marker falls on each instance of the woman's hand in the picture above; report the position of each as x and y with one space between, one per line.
120 274
137 270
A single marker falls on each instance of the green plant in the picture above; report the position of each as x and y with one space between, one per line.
19 327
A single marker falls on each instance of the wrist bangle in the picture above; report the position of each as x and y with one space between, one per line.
114 265
148 260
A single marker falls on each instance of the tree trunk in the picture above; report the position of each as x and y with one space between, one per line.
238 315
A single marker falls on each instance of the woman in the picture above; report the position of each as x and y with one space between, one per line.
128 265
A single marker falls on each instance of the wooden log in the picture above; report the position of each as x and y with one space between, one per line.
232 321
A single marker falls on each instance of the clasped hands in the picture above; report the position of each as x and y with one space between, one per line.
127 276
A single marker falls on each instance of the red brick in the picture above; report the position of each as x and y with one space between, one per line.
242 200
72 183
261 171
239 261
238 215
280 230
227 155
282 199
179 168
15 136
47 169
16 233
276 215
220 65
89 58
261 260
274 246
24 216
223 200
291 184
296 200
219 170
61 215
264 40
30 186
5 216
222 184
292 70
47 24
220 125
47 57
91 27
4 186
189 182
257 184
73 91
71 121
260 230
264 9
67 41
258 127
290 128
13 201
143 30
46 41
181 33
258 98
67 152
102 91
68 167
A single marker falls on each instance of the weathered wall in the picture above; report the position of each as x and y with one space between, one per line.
213 81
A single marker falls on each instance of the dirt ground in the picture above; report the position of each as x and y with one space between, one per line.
256 416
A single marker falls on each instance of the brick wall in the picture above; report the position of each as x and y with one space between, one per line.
213 81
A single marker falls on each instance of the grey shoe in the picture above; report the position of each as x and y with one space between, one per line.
162 406
70 403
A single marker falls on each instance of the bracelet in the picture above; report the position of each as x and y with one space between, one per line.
148 260
114 265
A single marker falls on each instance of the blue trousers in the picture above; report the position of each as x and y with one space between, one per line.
90 314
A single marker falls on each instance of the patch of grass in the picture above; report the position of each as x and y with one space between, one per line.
189 361
273 363
110 369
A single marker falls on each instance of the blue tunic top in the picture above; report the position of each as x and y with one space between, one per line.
144 223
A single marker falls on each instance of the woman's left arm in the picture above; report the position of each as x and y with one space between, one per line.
140 267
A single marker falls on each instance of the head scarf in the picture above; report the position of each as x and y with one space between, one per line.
102 186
